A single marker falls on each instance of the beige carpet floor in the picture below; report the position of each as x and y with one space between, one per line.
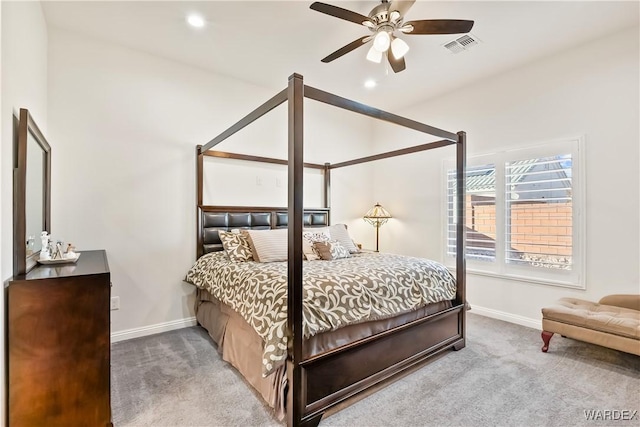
501 378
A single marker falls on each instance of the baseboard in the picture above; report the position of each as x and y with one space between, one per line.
128 334
507 317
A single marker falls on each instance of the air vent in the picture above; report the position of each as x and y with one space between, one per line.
462 43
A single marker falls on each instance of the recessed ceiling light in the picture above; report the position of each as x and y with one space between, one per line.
370 84
195 20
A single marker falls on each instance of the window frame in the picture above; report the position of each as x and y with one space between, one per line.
574 278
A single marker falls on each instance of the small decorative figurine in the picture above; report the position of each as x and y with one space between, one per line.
57 254
44 252
71 251
44 238
30 244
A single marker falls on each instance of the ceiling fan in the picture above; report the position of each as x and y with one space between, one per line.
384 21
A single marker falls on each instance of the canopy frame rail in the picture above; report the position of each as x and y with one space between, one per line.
326 168
272 103
357 107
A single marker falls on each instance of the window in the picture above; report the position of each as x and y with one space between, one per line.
523 216
480 213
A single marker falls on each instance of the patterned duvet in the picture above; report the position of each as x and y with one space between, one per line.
366 286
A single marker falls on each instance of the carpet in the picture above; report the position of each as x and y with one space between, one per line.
501 378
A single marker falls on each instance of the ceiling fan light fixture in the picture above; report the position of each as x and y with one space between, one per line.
374 55
382 41
382 22
399 48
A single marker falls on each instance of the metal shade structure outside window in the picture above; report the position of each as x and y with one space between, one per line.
377 216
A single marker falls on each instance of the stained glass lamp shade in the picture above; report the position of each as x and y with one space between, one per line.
377 216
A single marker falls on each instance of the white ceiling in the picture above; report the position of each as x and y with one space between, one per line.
264 42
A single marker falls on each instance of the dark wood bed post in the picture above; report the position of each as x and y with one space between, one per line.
461 241
296 397
199 198
327 187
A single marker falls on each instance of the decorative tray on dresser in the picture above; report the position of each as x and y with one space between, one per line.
58 344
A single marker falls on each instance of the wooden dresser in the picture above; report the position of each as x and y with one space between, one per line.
58 324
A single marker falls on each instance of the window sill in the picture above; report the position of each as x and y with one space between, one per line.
525 279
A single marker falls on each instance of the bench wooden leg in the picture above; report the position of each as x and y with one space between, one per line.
546 337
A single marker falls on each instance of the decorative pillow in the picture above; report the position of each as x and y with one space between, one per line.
268 245
332 249
339 232
309 238
236 245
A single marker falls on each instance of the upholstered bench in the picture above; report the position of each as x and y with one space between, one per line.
612 322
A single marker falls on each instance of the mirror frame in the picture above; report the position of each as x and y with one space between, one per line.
25 125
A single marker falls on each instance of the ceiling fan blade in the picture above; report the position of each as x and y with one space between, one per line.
401 6
397 65
346 49
339 12
439 26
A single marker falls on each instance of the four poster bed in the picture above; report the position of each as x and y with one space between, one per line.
305 369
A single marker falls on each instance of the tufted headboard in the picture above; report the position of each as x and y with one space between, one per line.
214 218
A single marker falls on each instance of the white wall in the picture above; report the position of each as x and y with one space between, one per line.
23 84
124 126
591 90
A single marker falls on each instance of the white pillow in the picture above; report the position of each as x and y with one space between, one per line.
268 245
339 232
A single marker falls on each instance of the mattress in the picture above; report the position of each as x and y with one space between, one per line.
336 294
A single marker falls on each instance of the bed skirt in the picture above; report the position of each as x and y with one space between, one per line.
241 346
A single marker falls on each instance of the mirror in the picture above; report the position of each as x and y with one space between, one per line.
31 192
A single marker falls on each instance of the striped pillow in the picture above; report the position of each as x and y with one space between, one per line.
268 245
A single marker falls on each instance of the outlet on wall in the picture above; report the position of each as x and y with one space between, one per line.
115 303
